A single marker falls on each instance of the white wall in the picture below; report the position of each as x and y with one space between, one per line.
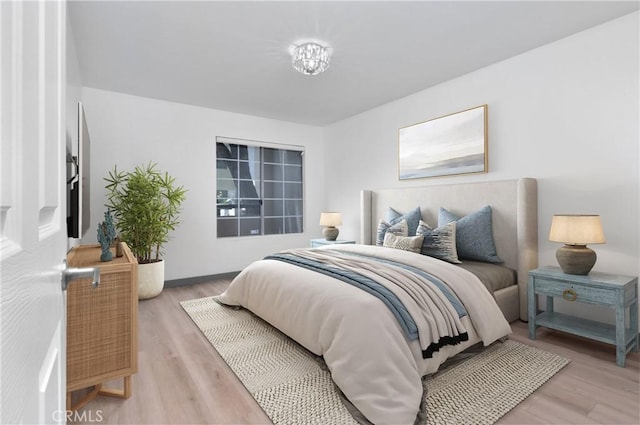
129 130
566 113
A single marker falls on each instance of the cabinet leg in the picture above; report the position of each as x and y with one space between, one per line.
86 399
633 322
127 387
124 393
532 307
621 346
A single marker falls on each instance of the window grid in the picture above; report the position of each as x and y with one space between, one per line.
267 202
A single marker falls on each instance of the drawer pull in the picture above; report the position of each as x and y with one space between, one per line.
569 295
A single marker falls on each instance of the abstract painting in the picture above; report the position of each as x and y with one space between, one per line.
452 144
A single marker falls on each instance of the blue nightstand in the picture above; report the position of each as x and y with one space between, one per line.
614 291
319 242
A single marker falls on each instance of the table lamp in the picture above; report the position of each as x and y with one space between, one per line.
576 231
330 220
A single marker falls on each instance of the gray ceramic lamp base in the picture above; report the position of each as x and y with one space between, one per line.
330 233
576 259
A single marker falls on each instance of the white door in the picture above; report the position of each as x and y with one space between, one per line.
33 211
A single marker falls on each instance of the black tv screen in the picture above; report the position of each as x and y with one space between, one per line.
79 214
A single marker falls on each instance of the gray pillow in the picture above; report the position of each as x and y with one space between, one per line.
400 229
413 218
474 234
439 243
405 243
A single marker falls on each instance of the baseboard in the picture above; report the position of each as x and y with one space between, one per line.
199 279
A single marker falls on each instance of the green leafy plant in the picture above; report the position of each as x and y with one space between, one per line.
146 204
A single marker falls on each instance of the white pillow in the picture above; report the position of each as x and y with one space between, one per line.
405 243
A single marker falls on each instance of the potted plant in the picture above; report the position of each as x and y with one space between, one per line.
146 204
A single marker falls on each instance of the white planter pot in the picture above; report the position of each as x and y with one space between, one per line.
150 279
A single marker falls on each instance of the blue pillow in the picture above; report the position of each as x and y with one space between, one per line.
439 243
474 235
413 218
399 229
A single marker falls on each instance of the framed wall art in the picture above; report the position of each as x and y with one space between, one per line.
452 144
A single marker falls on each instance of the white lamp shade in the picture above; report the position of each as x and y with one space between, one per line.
330 219
576 229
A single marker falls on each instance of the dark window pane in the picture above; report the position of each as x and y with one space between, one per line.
293 224
293 207
248 190
273 208
250 170
227 227
273 172
224 164
249 208
231 150
249 153
227 191
272 155
293 157
273 190
249 226
273 226
227 210
293 190
292 173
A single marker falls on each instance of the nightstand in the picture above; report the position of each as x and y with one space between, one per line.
319 242
614 291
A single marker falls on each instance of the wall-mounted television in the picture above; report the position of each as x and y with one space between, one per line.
78 181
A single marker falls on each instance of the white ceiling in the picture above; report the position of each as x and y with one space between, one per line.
234 55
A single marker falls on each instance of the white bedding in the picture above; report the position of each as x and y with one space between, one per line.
377 368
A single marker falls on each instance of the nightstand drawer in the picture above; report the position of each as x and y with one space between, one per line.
575 292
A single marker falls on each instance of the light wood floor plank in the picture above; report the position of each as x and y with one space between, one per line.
182 379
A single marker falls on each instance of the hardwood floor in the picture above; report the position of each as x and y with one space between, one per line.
181 379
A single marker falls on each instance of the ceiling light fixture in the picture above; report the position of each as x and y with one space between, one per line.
310 58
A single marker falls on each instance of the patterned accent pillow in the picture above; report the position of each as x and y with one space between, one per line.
474 235
413 218
405 243
439 243
401 229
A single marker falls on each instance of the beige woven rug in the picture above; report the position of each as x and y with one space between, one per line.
293 386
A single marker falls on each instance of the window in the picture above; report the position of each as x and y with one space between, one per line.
259 188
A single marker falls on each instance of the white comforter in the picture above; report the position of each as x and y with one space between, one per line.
377 368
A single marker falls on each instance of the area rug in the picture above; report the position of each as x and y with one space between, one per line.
293 386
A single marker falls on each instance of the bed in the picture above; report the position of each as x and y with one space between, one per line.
514 206
373 357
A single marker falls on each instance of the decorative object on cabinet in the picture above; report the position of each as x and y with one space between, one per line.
576 231
330 220
310 58
106 236
146 204
610 290
102 325
452 144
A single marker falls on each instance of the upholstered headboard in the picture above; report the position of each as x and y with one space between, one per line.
514 206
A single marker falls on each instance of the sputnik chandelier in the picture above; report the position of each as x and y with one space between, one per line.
310 58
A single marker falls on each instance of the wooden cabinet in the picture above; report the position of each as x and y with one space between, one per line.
102 324
618 292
